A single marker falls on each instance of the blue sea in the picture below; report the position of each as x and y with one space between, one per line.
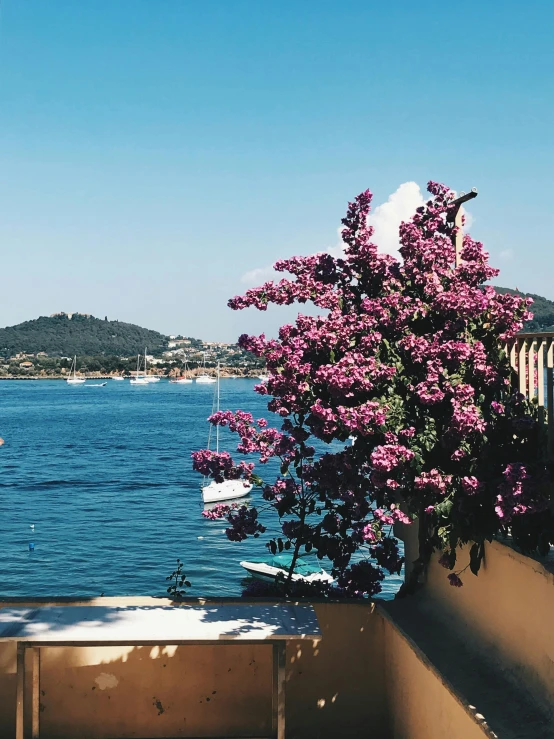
104 475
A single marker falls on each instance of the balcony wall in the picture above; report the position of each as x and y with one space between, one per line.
333 688
422 704
509 606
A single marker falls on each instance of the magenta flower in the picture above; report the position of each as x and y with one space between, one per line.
455 580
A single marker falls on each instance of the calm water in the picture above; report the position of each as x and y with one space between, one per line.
105 476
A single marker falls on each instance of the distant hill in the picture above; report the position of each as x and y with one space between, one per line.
68 334
542 309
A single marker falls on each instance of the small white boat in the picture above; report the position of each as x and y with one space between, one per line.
263 378
204 378
149 378
96 384
216 492
117 377
184 379
73 379
270 567
138 379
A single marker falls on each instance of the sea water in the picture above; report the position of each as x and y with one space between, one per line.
100 481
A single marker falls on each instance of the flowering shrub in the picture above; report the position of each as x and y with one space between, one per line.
405 375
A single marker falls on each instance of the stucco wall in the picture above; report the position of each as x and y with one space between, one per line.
333 687
510 605
420 704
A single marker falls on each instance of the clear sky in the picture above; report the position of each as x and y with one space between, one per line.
153 153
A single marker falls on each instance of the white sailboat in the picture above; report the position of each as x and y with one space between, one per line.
137 379
204 378
216 492
149 378
73 379
184 379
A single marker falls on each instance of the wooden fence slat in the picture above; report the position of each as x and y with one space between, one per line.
550 397
522 345
540 379
531 369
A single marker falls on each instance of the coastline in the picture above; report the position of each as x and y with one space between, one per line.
225 373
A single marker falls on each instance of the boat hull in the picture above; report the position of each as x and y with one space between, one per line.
216 492
268 573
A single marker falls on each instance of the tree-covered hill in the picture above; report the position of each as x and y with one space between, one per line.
69 334
542 309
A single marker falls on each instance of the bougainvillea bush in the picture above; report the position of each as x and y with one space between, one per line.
405 379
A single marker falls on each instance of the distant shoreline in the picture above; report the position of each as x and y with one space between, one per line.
225 373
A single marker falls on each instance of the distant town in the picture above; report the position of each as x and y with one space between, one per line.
46 347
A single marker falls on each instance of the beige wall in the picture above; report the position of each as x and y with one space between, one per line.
510 605
420 704
333 687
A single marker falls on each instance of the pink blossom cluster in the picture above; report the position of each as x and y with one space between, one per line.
518 493
433 482
394 515
388 457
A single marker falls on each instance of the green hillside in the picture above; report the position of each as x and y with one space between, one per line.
542 309
62 335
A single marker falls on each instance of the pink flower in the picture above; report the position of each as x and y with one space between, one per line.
471 485
433 482
455 580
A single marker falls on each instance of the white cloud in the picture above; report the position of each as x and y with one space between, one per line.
385 219
258 276
507 255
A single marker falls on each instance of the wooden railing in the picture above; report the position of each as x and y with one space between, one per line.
532 357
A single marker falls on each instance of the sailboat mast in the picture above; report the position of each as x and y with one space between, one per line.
217 427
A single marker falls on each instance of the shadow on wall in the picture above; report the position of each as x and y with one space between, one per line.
332 687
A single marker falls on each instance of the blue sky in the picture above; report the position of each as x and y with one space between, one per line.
155 152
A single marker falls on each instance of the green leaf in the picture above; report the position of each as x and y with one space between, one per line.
444 508
475 556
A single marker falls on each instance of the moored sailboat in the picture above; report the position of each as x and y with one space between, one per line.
184 379
73 379
204 378
216 492
138 379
